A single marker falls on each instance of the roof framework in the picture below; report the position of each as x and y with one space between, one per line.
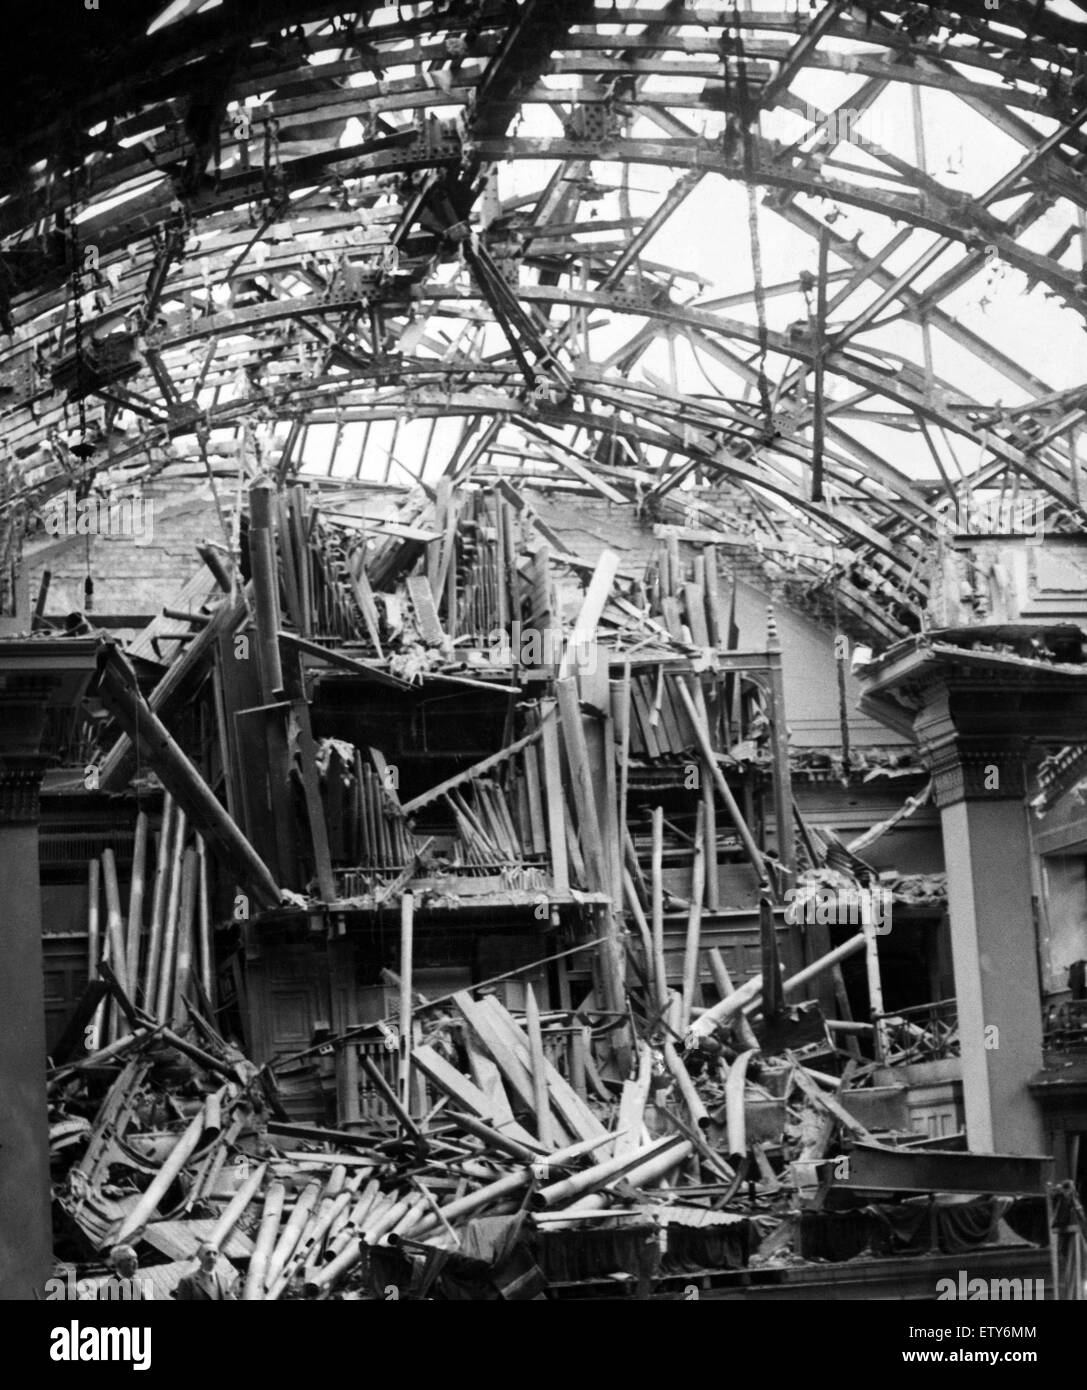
712 260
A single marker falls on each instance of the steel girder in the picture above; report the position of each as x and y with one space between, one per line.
126 154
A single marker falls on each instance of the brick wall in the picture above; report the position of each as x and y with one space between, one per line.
135 574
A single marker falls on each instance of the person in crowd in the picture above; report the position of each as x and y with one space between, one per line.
125 1264
211 1282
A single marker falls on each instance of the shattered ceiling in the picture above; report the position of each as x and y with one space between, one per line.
799 277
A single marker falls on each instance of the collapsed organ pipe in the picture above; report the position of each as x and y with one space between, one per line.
179 1155
722 1011
266 1237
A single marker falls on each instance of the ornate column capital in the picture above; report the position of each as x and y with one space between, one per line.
977 773
967 764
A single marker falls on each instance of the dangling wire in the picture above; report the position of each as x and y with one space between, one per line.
76 291
747 114
82 450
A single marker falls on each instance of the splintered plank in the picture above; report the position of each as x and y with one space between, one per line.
770 1182
673 567
538 1065
386 782
596 596
827 1103
636 747
195 594
566 459
117 764
565 1101
488 1078
557 823
696 614
685 730
535 802
472 773
331 657
522 814
364 596
643 709
573 851
505 1035
426 610
672 619
491 1039
577 758
669 729
468 1096
434 549
715 614
632 1103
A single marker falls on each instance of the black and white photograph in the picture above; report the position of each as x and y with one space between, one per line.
543 673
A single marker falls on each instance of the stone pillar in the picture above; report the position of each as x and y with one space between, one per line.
979 788
26 1240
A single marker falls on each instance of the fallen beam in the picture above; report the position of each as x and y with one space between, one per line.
752 850
873 1168
119 691
166 694
747 993
471 773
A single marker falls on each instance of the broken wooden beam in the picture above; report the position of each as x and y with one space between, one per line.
659 968
118 763
555 801
630 1120
471 773
119 691
588 618
468 1097
702 733
694 920
493 1139
331 656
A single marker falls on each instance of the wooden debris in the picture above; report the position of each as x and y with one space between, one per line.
593 1081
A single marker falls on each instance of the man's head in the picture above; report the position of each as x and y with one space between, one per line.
208 1255
122 1259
